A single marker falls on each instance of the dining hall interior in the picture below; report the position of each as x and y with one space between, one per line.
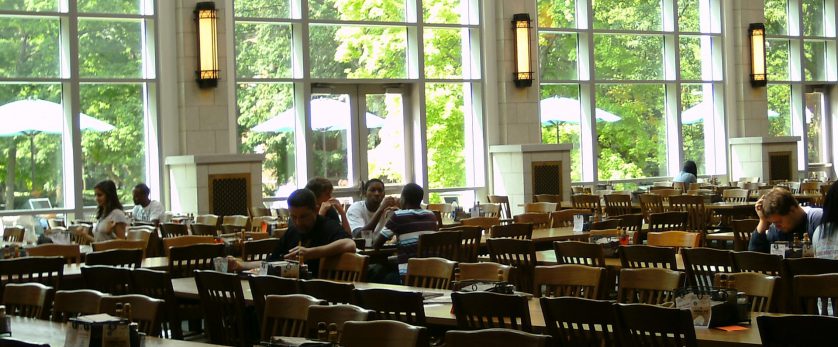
418 172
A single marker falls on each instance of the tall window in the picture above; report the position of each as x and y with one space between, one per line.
635 87
113 81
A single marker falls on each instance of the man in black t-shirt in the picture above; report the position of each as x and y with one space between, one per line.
309 235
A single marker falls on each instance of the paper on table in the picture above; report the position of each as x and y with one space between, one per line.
732 328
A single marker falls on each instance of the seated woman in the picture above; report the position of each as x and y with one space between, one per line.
688 174
825 238
327 206
111 220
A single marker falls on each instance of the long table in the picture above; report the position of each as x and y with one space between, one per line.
438 312
548 235
73 271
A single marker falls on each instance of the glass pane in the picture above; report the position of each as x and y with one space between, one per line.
557 56
110 48
690 57
779 110
777 60
330 122
627 14
263 8
31 156
385 137
814 60
116 149
463 198
443 53
380 10
560 116
557 14
445 11
29 5
814 128
697 109
628 57
266 122
358 51
635 145
111 6
689 15
776 17
263 50
813 13
445 123
34 57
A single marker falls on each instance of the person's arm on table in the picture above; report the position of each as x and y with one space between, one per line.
333 248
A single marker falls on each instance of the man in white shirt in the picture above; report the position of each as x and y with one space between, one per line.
371 213
145 209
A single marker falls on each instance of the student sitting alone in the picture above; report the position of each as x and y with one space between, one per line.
780 218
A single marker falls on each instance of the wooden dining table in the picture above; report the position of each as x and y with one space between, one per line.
548 235
438 312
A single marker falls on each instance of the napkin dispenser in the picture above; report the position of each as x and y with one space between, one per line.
102 330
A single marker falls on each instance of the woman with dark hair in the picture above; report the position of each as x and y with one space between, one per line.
825 238
326 205
110 218
689 174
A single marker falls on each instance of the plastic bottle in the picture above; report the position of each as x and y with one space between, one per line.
322 334
808 251
333 334
118 310
126 312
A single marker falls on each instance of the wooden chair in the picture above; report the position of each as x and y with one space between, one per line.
382 334
469 243
665 221
441 208
606 224
485 271
441 244
540 207
45 270
580 322
168 230
120 244
79 234
810 188
538 220
107 279
140 233
257 211
345 267
697 215
71 253
797 330
646 325
702 264
575 190
204 229
26 299
259 249
676 239
434 273
586 201
258 222
816 294
490 210
485 223
554 198
518 231
12 342
186 241
481 310
73 303
223 304
145 311
210 219
564 218
742 230
183 260
503 201
262 286
808 266
13 234
237 220
768 264
520 254
495 338
651 203
642 256
651 286
735 195
286 315
617 204
568 280
331 291
758 287
158 284
579 253
631 223
387 304
665 194
337 314
131 258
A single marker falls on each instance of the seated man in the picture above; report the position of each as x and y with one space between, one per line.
310 236
407 224
373 212
780 218
146 210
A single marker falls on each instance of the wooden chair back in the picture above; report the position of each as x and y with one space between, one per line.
387 304
120 244
735 195
140 233
490 210
768 264
697 215
434 273
665 194
758 287
647 325
631 223
257 223
107 279
796 330
258 249
73 303
345 267
442 244
257 211
642 256
538 220
580 322
337 314
187 240
26 299
210 219
204 229
540 207
441 208
331 291
605 224
168 230
482 310
45 270
485 223
651 286
505 211
651 203
70 253
667 221
518 231
554 198
237 220
579 253
520 254
564 218
223 304
810 188
469 243
382 334
702 265
13 234
495 337
617 204
676 239
568 280
131 258
586 201
183 260
158 284
262 286
485 271
816 294
742 230
145 311
286 315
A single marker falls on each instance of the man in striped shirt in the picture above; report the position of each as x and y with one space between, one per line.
407 223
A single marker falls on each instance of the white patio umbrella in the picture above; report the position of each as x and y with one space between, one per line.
555 109
327 114
697 113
